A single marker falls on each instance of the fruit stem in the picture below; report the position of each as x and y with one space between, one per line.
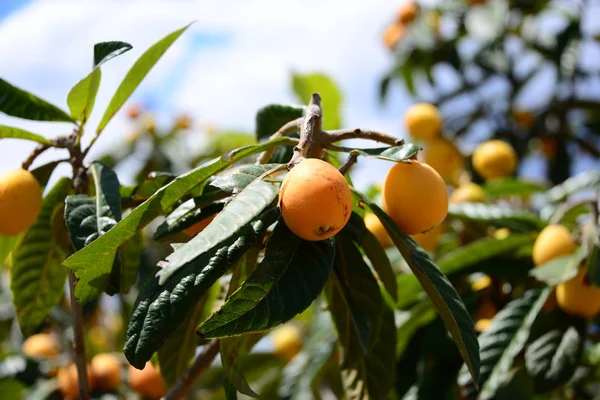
350 161
310 133
36 152
201 363
343 134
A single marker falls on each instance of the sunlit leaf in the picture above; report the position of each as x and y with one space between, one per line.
19 103
9 132
305 85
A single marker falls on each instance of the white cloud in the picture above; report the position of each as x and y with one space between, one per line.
46 47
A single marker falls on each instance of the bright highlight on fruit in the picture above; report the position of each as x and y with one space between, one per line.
423 121
287 341
553 241
443 156
415 197
41 346
495 159
374 225
468 193
577 296
107 371
315 200
147 382
20 201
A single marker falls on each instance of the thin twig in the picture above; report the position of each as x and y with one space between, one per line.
34 154
310 132
343 134
285 130
79 345
350 161
201 363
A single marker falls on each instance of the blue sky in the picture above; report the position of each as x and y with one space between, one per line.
237 57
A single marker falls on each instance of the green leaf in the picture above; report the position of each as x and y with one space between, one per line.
244 208
43 172
89 218
104 51
593 248
441 292
9 132
37 279
185 216
366 374
359 290
102 251
236 180
401 152
503 340
305 85
553 358
160 309
481 250
82 97
7 244
408 322
559 269
19 103
11 389
285 283
492 215
234 350
273 116
230 392
304 372
131 258
511 187
176 353
585 180
136 74
153 182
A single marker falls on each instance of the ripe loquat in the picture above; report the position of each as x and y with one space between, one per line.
20 201
468 193
41 346
443 156
147 382
374 225
553 241
106 369
578 297
423 121
287 341
494 159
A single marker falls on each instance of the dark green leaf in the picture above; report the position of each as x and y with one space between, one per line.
131 258
304 87
230 392
235 181
153 182
244 208
136 74
104 51
304 371
586 180
401 152
89 218
102 252
187 215
441 292
492 215
593 247
234 350
559 269
179 349
82 97
512 187
37 279
407 75
43 172
408 322
553 357
9 132
11 389
503 340
19 103
160 309
273 116
285 283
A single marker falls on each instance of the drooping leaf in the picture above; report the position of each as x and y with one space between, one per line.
89 218
102 251
586 180
230 391
397 153
10 132
160 309
305 85
512 187
136 74
273 116
441 292
304 372
360 292
503 340
82 97
19 103
408 322
291 275
553 358
37 279
104 51
366 374
498 216
131 258
245 207
559 269
179 349
234 350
